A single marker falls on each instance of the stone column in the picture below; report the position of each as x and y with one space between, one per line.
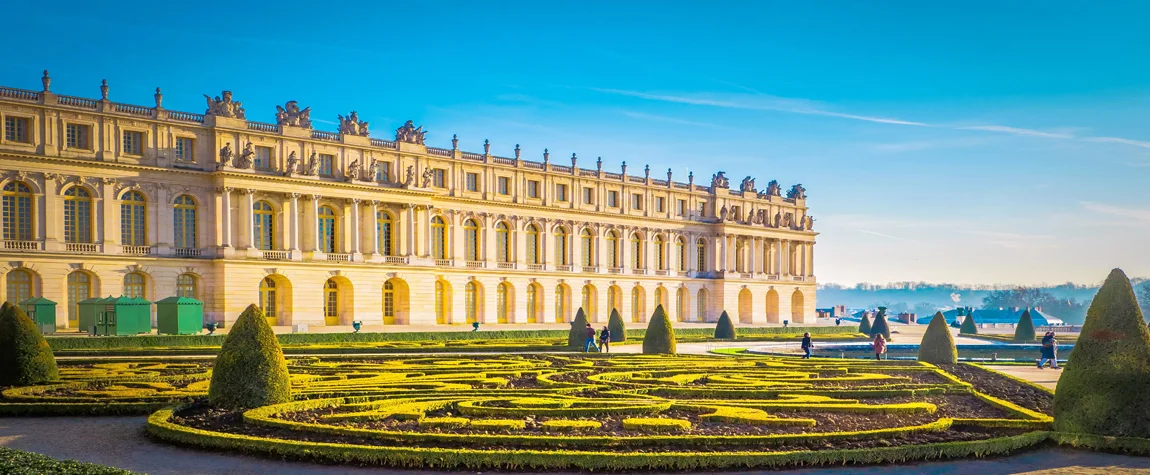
293 228
408 223
354 229
311 224
53 222
721 262
111 228
224 217
374 226
811 260
247 231
425 240
545 246
754 251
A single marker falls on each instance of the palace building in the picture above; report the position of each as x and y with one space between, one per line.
325 228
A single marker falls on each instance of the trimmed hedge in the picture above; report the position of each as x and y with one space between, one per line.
25 358
969 326
19 462
1024 332
937 345
660 337
864 324
617 327
577 335
1103 390
250 370
654 424
880 325
725 329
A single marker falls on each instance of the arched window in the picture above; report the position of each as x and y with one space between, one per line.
472 298
331 302
328 236
185 221
268 299
588 248
560 304
701 310
389 303
502 243
20 286
440 303
740 254
660 253
134 285
133 219
636 305
438 238
470 240
186 286
561 237
532 244
701 255
612 299
681 304
532 302
79 288
636 251
681 252
586 303
612 249
264 224
17 212
77 215
501 302
383 226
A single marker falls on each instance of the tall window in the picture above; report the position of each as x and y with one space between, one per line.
388 303
504 185
186 286
636 251
16 129
585 301
383 225
532 244
613 199
472 298
133 143
681 253
440 303
740 254
636 201
185 221
502 243
185 149
612 299
588 196
438 238
78 136
588 248
561 192
19 286
612 249
532 301
77 215
472 182
331 302
501 302
532 188
660 253
327 232
659 204
700 255
561 238
263 160
470 240
325 164
134 285
79 288
681 304
560 303
133 221
264 224
701 310
636 305
17 212
439 178
268 298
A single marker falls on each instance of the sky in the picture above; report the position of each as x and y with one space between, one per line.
972 142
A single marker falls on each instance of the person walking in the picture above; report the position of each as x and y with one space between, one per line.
807 345
605 341
590 343
1049 351
879 344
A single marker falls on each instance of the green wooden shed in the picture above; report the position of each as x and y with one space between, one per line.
179 316
42 311
124 316
88 310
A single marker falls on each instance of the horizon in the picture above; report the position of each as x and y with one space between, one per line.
988 144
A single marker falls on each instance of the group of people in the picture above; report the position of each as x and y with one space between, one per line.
604 340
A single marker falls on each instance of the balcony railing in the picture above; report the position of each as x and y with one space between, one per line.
382 143
22 245
746 275
186 116
84 247
19 94
134 110
661 272
321 135
772 277
187 252
443 262
639 271
395 259
506 265
262 127
535 267
137 250
476 264
799 278
339 257
77 102
591 269
277 255
440 152
563 268
614 270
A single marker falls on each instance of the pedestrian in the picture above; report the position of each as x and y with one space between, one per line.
590 343
807 345
605 341
879 344
1049 351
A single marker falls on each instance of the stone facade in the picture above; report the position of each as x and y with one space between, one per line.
325 228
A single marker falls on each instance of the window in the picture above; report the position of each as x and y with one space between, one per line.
326 162
186 286
133 143
331 302
561 237
388 303
471 296
19 286
264 224
560 304
736 212
383 171
504 185
613 199
680 304
16 129
659 203
702 209
383 226
532 302
681 208
588 196
660 253
636 252
78 136
501 302
185 149
133 223
612 249
681 252
263 159
700 255
470 240
134 285
588 248
636 305
439 178
77 215
701 311
532 189
185 222
79 288
328 236
561 192
472 182
268 298
586 301
636 201
17 212
532 244
613 298
502 242
440 303
438 238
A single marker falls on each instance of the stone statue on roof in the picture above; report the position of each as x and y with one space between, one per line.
224 106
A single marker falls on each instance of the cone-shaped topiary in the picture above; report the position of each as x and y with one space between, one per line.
1103 389
880 325
250 370
25 358
864 324
1024 332
937 345
969 326
617 327
660 337
725 329
577 338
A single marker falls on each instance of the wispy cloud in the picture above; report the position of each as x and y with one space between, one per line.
1016 131
1140 215
1010 240
1136 143
672 120
886 235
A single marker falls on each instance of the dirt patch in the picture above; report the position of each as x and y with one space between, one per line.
1002 387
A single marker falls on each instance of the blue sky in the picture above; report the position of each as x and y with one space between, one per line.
968 142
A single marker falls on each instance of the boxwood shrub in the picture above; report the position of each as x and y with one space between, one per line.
25 358
937 345
250 370
725 329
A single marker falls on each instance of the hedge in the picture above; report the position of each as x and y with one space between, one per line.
660 337
19 462
937 345
25 359
617 327
251 370
1024 332
725 328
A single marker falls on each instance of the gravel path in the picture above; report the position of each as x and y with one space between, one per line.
121 442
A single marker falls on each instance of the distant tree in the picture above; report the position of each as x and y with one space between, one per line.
922 309
1024 331
893 308
969 326
1144 298
1030 297
864 324
937 345
880 325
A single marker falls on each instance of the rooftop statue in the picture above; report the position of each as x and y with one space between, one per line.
719 180
409 133
797 192
748 185
773 188
351 125
291 114
244 161
225 106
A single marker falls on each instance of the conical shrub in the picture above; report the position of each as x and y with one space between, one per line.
25 357
660 337
864 324
969 326
250 370
880 325
1024 331
937 345
1103 389
617 327
577 337
725 329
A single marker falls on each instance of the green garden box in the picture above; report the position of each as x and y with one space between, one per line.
179 316
42 311
88 309
123 316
